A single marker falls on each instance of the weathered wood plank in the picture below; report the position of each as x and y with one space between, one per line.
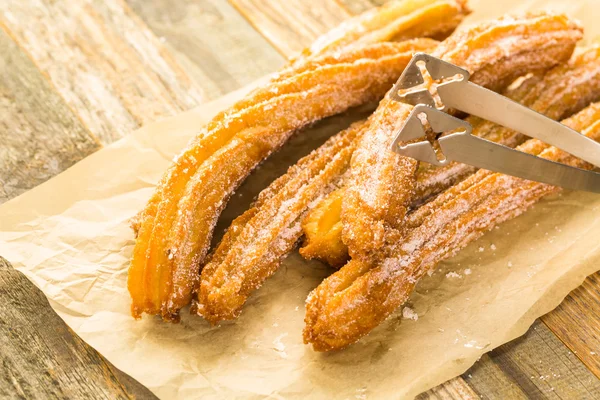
103 60
358 6
455 388
292 25
212 41
488 378
39 134
576 322
536 364
57 364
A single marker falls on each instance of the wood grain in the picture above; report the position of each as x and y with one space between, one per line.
292 25
576 322
103 60
455 388
40 135
534 366
491 381
57 364
357 6
212 41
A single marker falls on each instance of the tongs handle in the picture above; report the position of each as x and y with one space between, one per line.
476 100
464 147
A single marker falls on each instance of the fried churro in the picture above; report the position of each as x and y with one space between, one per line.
323 226
396 20
174 229
257 241
562 91
382 183
357 298
177 224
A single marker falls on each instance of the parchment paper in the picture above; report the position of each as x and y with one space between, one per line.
70 236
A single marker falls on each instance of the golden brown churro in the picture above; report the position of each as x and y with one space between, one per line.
562 91
176 226
381 186
396 20
257 240
171 236
357 298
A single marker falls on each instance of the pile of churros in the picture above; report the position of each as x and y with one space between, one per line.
381 220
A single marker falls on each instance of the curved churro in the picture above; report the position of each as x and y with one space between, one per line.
396 20
322 229
323 226
381 186
354 300
268 231
177 223
562 91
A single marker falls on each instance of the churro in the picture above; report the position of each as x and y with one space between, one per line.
177 224
257 241
357 298
382 183
562 91
396 20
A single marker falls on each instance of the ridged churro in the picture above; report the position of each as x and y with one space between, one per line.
382 183
562 91
256 242
396 20
357 298
177 224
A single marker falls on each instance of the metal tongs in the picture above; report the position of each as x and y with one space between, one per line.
453 91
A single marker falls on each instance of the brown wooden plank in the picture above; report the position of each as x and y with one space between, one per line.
292 25
536 364
57 364
576 322
39 134
455 388
489 379
103 60
212 41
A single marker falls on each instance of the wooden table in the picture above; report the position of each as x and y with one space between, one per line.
77 75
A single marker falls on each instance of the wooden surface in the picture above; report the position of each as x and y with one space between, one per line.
42 358
79 74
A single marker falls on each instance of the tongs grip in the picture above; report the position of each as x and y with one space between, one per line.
464 147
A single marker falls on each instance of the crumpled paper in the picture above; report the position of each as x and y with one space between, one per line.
71 237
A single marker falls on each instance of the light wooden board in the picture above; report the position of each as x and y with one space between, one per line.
577 322
40 135
358 6
291 25
56 364
456 388
212 41
534 366
103 61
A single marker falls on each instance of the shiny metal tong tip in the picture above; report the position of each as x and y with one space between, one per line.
434 87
